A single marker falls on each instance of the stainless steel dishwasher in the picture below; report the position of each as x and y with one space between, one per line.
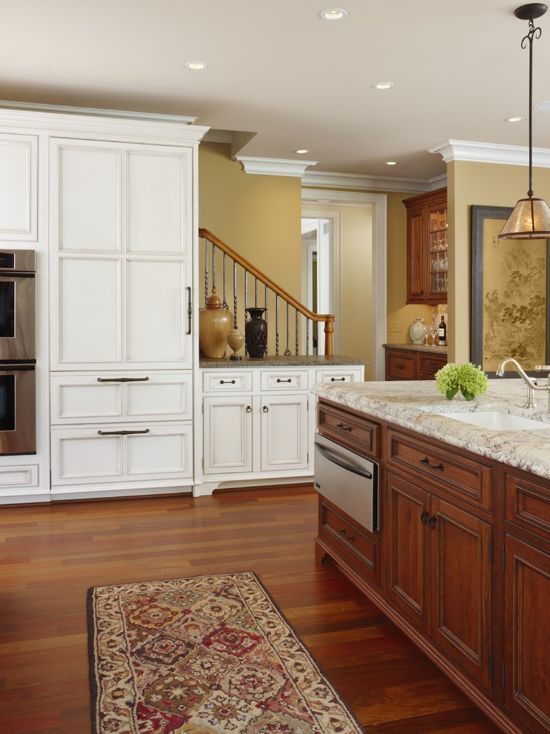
348 480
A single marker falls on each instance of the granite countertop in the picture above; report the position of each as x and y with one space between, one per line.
282 361
415 404
434 349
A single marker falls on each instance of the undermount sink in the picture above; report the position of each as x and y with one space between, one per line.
495 420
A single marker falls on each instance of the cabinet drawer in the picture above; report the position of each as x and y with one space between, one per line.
528 504
19 476
428 364
331 377
400 365
121 453
462 477
352 431
219 381
284 380
89 398
353 544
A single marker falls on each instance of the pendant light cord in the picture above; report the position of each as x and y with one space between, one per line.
534 32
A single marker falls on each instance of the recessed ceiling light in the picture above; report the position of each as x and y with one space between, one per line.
333 14
383 85
301 151
196 65
392 163
514 119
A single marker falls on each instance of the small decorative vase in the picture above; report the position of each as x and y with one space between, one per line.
235 340
256 333
215 323
418 331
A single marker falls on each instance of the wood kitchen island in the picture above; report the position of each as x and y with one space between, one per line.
461 557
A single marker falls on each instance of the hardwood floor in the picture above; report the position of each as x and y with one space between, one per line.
50 555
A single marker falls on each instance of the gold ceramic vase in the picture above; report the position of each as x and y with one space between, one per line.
215 322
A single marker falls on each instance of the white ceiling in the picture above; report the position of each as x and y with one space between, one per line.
277 70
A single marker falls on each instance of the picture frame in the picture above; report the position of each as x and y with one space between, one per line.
483 302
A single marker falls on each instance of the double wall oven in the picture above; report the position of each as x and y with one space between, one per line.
17 352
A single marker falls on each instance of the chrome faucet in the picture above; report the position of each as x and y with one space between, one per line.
531 384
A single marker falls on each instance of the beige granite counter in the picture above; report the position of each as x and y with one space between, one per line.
415 404
291 360
432 348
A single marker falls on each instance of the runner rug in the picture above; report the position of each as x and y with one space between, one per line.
203 655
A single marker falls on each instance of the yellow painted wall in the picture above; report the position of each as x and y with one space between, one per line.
486 185
259 216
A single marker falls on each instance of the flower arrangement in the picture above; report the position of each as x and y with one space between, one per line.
468 378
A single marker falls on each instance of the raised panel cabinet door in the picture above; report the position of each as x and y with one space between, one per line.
284 431
416 255
87 196
156 321
407 509
82 456
18 187
158 198
88 329
527 633
227 435
164 452
461 587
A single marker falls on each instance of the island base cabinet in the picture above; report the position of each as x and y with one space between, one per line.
439 573
527 639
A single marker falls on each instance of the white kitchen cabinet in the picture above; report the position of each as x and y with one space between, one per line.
284 432
89 455
122 245
227 435
18 187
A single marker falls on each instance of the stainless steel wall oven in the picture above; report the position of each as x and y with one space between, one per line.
17 352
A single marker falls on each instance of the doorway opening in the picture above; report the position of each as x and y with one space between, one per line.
316 274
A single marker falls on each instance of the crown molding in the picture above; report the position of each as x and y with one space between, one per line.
469 150
274 166
318 179
164 129
96 112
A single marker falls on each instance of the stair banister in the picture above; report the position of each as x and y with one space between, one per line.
248 267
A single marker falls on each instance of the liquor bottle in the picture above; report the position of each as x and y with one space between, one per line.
442 332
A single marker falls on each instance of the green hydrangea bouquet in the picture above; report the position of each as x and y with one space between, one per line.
468 378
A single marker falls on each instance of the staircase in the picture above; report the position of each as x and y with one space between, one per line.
292 328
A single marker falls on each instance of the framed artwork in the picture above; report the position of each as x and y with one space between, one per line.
510 314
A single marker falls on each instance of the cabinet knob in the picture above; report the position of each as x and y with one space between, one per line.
249 409
265 409
425 518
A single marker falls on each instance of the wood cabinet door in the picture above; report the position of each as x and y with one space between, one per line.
461 587
228 435
416 255
527 633
406 548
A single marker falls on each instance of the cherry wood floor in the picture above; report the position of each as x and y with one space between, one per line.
50 555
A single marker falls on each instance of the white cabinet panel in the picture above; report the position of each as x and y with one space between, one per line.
19 476
18 192
155 312
284 432
219 381
91 397
156 202
89 310
349 374
227 435
81 455
284 380
163 451
89 198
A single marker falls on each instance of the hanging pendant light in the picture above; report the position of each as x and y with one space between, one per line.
530 218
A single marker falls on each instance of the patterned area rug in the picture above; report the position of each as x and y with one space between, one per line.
203 655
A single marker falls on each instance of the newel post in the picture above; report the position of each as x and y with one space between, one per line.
329 336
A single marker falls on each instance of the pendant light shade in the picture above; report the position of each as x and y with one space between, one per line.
530 219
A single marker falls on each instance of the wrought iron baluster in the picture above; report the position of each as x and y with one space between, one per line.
225 305
213 267
287 350
255 292
245 292
296 336
265 297
307 336
234 294
205 272
277 324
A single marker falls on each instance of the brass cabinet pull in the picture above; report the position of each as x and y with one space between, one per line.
122 433
123 379
426 463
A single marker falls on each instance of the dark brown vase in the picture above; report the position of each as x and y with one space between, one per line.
256 333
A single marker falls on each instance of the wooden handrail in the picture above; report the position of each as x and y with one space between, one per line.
266 280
